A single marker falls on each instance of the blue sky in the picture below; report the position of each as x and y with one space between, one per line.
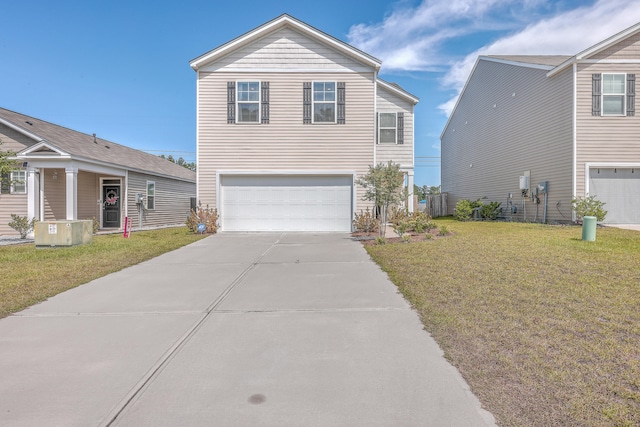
121 68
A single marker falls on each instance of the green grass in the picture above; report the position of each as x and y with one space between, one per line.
29 275
543 326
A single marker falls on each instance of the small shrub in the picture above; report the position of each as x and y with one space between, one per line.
22 224
464 210
398 214
380 240
443 230
589 206
428 236
490 210
366 222
420 222
401 227
406 238
96 225
207 216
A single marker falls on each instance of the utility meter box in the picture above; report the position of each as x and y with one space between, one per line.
63 233
524 182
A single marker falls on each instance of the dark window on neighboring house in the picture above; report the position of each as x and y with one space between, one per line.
390 128
248 102
324 102
613 94
14 182
151 195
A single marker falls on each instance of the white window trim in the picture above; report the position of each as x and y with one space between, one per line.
238 102
313 102
23 180
154 196
624 96
394 128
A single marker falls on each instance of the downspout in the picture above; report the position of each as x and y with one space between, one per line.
575 138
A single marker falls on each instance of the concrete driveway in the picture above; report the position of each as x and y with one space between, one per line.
234 330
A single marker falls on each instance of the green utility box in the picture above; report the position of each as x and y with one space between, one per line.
589 228
63 233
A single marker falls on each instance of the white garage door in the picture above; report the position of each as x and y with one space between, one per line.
619 188
286 203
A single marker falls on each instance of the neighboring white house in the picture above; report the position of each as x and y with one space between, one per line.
63 174
567 121
288 118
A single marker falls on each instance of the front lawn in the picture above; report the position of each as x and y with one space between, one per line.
29 275
544 327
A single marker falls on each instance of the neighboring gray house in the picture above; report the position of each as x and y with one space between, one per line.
568 121
65 175
288 118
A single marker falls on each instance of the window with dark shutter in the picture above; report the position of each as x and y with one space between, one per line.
264 113
400 128
596 91
341 119
306 102
231 102
631 95
5 184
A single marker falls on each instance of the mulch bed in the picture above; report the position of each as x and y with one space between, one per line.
368 239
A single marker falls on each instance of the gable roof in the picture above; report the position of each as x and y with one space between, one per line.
58 140
596 48
398 90
542 61
284 21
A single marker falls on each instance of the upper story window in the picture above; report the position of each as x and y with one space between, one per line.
613 94
390 128
248 102
324 102
387 128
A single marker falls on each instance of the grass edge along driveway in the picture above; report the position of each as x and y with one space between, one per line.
543 326
30 275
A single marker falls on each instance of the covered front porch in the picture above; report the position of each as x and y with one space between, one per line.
61 188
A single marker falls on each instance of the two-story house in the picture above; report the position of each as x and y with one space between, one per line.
567 124
288 118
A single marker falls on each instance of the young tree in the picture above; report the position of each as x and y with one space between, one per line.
383 186
6 166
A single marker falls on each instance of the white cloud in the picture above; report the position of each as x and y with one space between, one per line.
567 33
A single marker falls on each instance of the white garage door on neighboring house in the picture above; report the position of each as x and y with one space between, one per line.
619 188
286 202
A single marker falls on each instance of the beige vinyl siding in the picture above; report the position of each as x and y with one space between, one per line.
88 195
172 200
55 190
628 48
11 204
509 120
604 139
285 144
398 153
285 49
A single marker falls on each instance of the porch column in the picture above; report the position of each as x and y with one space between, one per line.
410 188
33 194
72 193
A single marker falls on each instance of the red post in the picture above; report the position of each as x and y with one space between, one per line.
126 224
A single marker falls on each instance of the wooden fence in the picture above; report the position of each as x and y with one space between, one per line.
435 206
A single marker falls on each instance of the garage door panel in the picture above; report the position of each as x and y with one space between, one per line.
619 189
286 203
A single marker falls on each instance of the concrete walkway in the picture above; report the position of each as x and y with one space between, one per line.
233 330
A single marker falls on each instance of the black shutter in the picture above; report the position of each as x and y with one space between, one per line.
231 102
265 103
306 102
400 128
631 95
596 91
341 103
